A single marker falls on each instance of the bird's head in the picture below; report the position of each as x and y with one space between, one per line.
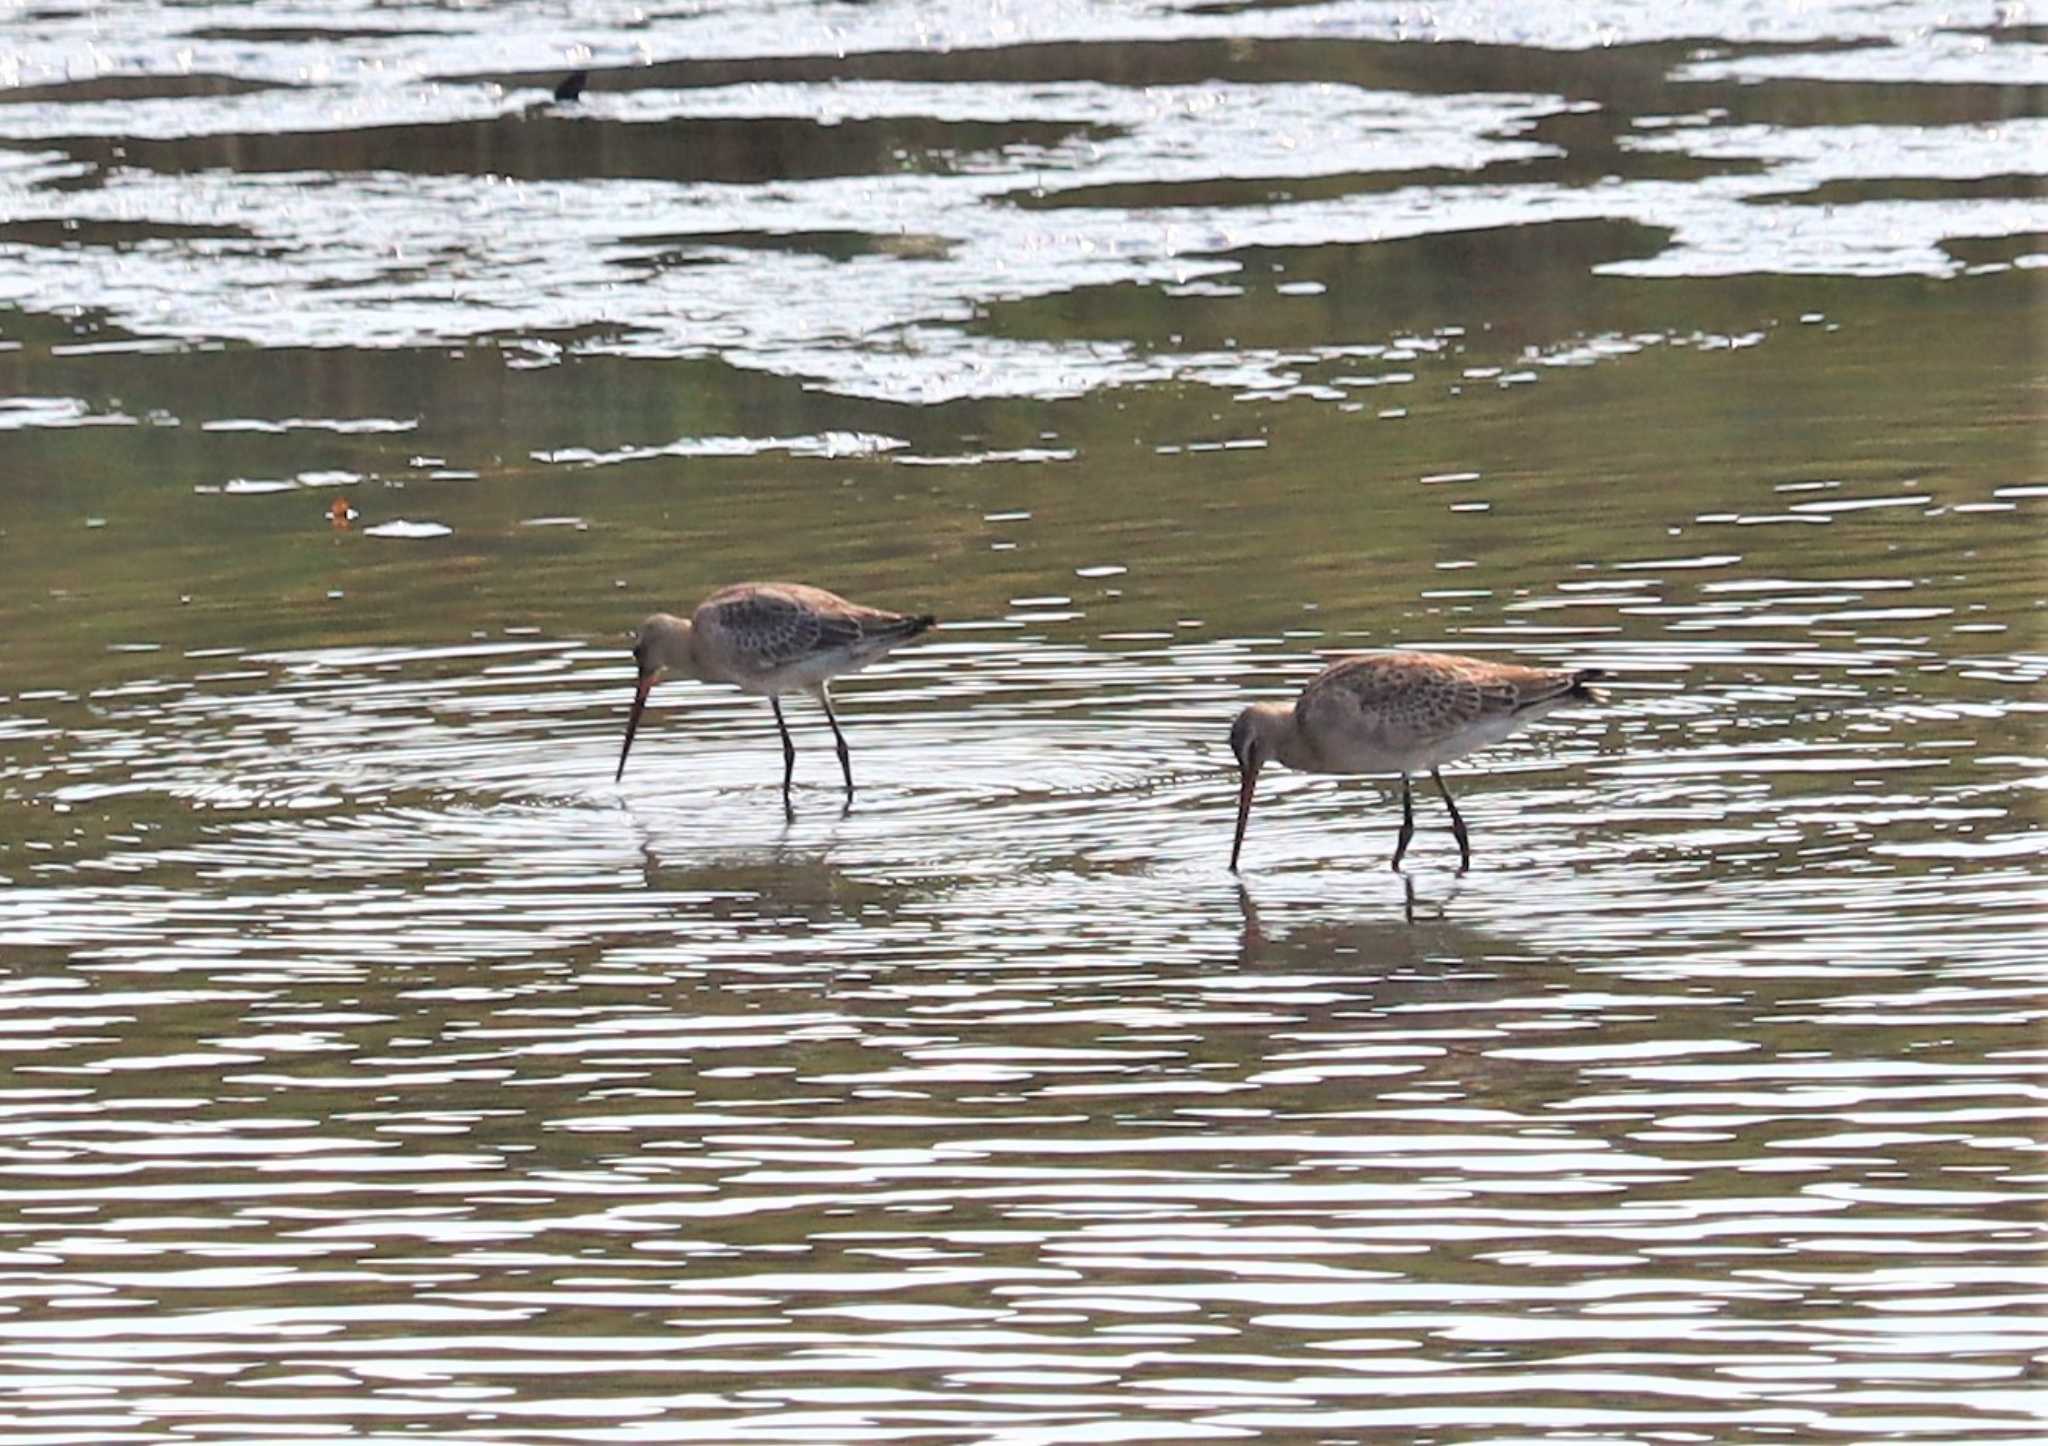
1244 741
1252 740
659 644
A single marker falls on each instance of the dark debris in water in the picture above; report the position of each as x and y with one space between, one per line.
300 34
1625 80
1441 68
115 235
2006 34
1579 166
544 146
1990 250
136 87
1409 284
685 249
2009 187
1248 7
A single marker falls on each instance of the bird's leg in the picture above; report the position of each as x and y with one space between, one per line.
1457 823
788 753
838 739
1407 823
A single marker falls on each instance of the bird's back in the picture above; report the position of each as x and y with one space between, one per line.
767 636
1403 711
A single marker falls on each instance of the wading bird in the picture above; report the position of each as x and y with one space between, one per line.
769 638
1399 713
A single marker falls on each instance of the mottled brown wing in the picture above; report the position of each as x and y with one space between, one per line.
1403 698
1397 696
767 627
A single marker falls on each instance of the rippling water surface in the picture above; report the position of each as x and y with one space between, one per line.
376 1067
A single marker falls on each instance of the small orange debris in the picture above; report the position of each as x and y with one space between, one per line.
341 514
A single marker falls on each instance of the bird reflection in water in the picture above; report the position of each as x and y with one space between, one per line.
1424 933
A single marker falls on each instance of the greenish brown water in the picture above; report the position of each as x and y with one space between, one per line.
376 1067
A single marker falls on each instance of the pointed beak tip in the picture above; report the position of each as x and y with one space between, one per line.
641 689
1247 780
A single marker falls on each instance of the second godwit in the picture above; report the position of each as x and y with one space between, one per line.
769 638
1397 713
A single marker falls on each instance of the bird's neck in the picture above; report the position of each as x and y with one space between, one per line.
1279 738
676 649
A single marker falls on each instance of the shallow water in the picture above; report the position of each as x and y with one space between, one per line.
377 1067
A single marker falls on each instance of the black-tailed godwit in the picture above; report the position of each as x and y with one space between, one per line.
1398 712
769 638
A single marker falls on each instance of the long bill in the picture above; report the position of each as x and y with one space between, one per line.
1249 781
640 692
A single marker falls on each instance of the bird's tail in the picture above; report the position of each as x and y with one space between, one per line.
1582 689
1554 686
880 634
